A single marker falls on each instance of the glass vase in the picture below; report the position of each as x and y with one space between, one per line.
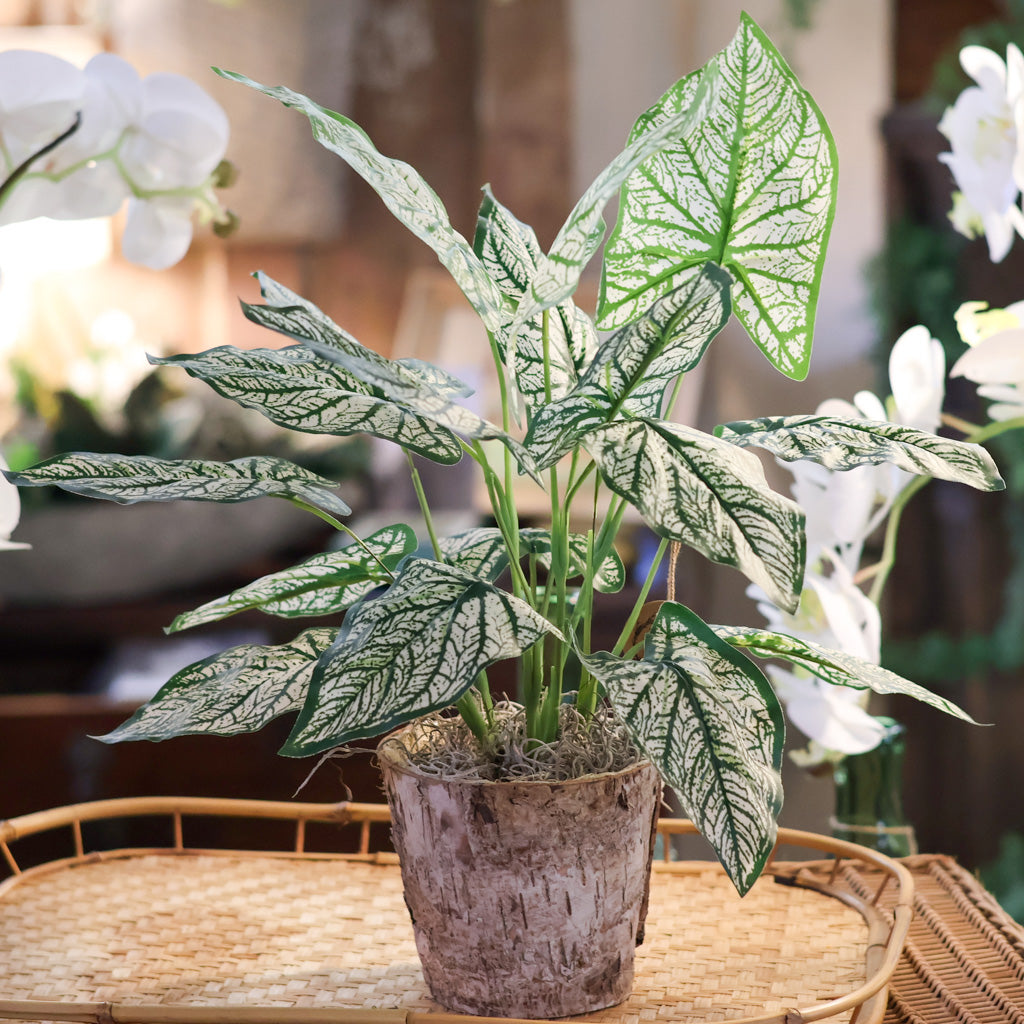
869 797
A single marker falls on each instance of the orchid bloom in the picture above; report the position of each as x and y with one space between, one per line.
983 127
995 358
842 510
835 613
157 142
10 512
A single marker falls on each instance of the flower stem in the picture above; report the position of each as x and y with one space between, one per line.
19 172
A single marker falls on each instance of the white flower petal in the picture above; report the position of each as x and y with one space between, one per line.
157 232
985 67
917 378
998 359
829 715
10 507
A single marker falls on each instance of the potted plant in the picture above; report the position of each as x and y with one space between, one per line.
726 188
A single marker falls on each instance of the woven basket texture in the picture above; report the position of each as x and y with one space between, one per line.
272 931
963 961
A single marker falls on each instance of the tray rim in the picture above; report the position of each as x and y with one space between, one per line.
868 1002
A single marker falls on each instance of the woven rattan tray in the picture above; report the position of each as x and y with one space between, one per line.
190 936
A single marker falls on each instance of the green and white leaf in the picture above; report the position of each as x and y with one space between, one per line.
239 690
689 487
322 585
403 191
832 666
610 575
415 649
426 403
633 367
751 187
558 273
127 479
839 443
510 252
559 427
293 387
711 723
481 551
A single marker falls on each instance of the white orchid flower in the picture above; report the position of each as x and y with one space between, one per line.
995 358
157 141
10 512
982 131
917 379
831 716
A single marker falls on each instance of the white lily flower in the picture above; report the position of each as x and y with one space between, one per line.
10 512
981 128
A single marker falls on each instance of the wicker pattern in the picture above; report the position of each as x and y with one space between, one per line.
255 931
219 937
964 957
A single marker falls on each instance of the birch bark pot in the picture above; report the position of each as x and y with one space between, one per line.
527 899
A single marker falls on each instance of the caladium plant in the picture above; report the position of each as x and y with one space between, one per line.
726 195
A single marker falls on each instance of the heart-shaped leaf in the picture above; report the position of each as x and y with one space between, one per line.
239 690
558 273
711 723
751 187
689 487
415 649
321 585
127 479
403 191
836 667
839 442
293 387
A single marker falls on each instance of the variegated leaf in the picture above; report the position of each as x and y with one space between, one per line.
839 443
559 427
711 723
403 191
479 551
415 649
752 188
558 273
293 387
510 252
610 575
689 487
429 404
322 585
482 552
239 690
127 479
836 667
632 368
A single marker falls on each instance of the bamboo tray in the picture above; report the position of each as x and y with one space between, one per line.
193 936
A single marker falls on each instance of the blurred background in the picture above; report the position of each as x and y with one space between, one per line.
534 97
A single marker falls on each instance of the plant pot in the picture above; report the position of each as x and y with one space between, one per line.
527 899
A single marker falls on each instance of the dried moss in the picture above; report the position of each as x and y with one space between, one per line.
445 747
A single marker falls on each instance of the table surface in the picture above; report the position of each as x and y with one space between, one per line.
963 959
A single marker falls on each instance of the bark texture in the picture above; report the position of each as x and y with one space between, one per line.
527 898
